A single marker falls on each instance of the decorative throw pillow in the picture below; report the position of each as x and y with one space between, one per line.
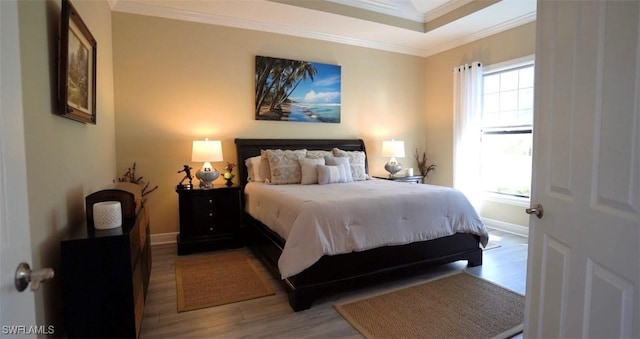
308 170
331 160
316 154
357 160
331 174
285 166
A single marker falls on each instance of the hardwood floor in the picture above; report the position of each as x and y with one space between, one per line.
271 317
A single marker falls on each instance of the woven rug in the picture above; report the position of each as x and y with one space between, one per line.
212 280
457 306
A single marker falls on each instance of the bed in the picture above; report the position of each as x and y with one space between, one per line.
331 273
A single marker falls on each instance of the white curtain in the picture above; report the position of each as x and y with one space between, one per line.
467 109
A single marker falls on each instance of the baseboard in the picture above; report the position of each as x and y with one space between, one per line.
506 227
164 238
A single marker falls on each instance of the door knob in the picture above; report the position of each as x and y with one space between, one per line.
538 211
24 276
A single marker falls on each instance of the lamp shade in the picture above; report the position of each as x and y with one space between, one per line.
207 151
393 148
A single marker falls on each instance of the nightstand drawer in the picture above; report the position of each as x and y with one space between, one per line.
211 216
203 209
203 203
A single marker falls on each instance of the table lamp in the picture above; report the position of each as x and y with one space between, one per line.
207 151
393 149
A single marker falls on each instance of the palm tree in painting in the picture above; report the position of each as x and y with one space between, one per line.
276 79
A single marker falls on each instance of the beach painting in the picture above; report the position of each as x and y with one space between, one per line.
294 90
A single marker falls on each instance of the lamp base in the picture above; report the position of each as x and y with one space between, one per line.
393 168
207 177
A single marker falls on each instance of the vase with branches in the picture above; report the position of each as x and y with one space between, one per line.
423 165
131 176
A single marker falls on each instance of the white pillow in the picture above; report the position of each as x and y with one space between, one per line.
357 160
308 169
331 174
264 170
285 166
330 160
253 169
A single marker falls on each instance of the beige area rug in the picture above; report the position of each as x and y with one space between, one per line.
457 306
218 279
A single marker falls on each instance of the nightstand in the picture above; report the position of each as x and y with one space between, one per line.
415 179
209 219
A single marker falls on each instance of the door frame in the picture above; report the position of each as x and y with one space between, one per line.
16 308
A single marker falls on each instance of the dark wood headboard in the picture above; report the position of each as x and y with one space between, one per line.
248 148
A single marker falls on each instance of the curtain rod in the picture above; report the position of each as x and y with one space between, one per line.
460 68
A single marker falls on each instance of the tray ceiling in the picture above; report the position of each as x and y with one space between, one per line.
415 27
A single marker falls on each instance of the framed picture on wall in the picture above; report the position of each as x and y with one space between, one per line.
77 67
295 90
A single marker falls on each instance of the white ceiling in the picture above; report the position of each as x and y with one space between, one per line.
415 27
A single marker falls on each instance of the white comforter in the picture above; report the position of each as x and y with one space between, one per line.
317 220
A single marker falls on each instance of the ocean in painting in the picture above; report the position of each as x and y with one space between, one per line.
315 112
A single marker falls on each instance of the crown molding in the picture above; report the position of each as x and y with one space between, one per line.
519 21
112 3
383 8
444 9
359 12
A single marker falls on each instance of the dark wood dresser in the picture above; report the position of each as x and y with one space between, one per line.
209 219
105 276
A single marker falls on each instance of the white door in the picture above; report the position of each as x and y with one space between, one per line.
583 277
16 308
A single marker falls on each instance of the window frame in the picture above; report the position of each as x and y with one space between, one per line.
504 198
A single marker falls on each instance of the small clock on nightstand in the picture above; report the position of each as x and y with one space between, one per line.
414 179
209 219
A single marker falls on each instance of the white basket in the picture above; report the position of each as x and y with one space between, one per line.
107 215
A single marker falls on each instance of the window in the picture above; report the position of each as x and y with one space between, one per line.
507 126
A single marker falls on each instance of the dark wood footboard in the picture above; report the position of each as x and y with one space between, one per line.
345 271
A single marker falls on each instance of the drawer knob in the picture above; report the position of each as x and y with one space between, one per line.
210 214
210 228
210 201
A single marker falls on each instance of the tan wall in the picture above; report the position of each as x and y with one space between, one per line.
66 160
181 81
512 44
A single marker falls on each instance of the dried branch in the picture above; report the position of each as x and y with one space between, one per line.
130 176
422 164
